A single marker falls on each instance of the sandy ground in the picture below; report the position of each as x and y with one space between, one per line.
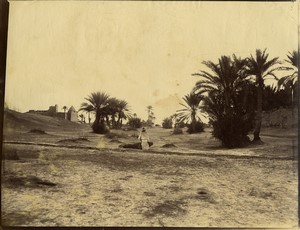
194 184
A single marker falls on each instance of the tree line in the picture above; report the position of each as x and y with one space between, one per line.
110 112
233 93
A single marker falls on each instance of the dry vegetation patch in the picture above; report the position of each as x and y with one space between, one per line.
168 208
74 140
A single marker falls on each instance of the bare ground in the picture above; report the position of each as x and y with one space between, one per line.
83 179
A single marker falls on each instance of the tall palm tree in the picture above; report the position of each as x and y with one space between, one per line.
222 86
149 110
122 112
88 108
65 111
224 78
191 110
112 111
260 67
291 80
99 103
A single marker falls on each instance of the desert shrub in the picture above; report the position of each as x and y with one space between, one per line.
129 129
37 131
181 124
230 125
135 123
167 123
11 155
100 128
169 146
177 131
112 135
198 127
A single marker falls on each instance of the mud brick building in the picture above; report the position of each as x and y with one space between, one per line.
72 114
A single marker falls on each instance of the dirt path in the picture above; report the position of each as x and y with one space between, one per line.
134 188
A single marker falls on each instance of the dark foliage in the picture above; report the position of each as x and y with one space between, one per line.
167 123
177 131
168 146
181 124
197 127
232 130
100 128
113 135
10 155
37 131
229 102
273 99
232 126
135 123
134 145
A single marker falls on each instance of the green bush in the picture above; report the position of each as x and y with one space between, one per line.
177 131
167 123
198 127
100 128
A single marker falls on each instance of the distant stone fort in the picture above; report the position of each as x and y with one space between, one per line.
71 114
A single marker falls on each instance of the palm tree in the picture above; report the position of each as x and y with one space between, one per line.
112 110
97 102
65 111
122 112
192 108
223 87
225 78
260 67
174 119
82 118
88 108
290 81
149 110
150 115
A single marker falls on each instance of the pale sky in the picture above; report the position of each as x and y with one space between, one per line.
143 52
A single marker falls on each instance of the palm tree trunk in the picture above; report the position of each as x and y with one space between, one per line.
118 121
193 123
97 120
89 117
107 120
113 121
258 114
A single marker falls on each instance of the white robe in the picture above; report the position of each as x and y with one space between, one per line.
144 138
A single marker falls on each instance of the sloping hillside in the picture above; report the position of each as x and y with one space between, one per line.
20 122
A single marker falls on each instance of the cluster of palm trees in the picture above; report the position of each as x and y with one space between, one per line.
108 110
225 93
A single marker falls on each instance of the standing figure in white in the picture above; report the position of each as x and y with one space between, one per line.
144 138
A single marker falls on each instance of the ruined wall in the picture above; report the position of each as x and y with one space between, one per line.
72 116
